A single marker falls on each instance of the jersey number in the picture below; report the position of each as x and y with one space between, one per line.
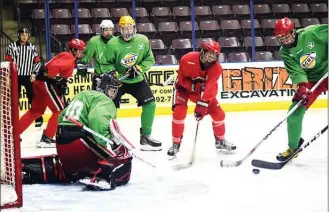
74 110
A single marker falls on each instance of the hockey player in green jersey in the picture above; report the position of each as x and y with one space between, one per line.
95 49
82 156
131 54
305 56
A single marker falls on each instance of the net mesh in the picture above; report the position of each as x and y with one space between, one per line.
8 183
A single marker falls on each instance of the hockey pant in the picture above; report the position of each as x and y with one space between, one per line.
80 155
179 107
295 120
45 95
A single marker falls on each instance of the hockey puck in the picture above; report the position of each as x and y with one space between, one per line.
255 171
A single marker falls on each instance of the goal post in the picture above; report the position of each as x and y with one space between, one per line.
11 174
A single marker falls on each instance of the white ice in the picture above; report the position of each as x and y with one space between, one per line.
300 187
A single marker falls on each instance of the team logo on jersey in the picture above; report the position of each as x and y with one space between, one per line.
129 59
307 60
140 46
310 45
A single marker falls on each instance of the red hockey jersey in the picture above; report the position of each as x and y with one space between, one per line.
190 69
62 65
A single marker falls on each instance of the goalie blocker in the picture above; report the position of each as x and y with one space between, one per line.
79 157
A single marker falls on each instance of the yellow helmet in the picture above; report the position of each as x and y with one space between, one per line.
126 21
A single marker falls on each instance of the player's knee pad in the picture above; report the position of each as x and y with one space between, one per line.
216 112
179 112
42 169
149 107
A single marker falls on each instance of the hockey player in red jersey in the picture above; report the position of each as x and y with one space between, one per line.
49 88
197 81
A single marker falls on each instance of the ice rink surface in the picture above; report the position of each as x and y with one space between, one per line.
301 186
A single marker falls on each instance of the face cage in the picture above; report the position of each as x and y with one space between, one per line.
128 36
287 39
204 57
111 91
102 30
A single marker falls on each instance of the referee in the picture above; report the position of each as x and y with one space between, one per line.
26 56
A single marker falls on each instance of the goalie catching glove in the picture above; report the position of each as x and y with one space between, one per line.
134 71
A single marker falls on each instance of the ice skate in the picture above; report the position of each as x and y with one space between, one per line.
286 154
224 146
172 151
46 142
149 144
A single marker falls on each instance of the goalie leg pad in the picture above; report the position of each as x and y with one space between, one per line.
42 169
121 174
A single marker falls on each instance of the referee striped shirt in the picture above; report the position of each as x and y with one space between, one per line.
26 57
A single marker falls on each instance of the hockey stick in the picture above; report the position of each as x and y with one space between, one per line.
165 83
192 159
280 165
128 146
224 163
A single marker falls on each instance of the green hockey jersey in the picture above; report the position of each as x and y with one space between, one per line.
94 49
119 55
308 60
93 109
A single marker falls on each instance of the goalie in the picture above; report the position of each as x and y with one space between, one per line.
82 156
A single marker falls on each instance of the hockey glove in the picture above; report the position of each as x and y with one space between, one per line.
200 110
134 71
82 69
301 93
197 85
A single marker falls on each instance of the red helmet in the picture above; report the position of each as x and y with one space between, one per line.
283 26
211 45
77 44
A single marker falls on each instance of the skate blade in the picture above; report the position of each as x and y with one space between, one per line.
150 148
225 152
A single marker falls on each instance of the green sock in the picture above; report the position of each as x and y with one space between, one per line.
295 125
148 111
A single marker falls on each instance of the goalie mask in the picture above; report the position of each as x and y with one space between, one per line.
108 84
285 32
210 50
127 27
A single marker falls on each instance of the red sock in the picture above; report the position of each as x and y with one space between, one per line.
179 116
50 131
27 119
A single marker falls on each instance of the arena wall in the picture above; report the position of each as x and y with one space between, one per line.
242 87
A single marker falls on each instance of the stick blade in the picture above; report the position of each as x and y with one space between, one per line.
226 164
179 167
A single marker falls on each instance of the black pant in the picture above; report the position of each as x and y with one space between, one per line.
141 91
25 81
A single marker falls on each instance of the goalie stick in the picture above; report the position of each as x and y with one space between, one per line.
280 165
227 163
125 143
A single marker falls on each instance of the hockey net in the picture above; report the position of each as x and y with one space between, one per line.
11 177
